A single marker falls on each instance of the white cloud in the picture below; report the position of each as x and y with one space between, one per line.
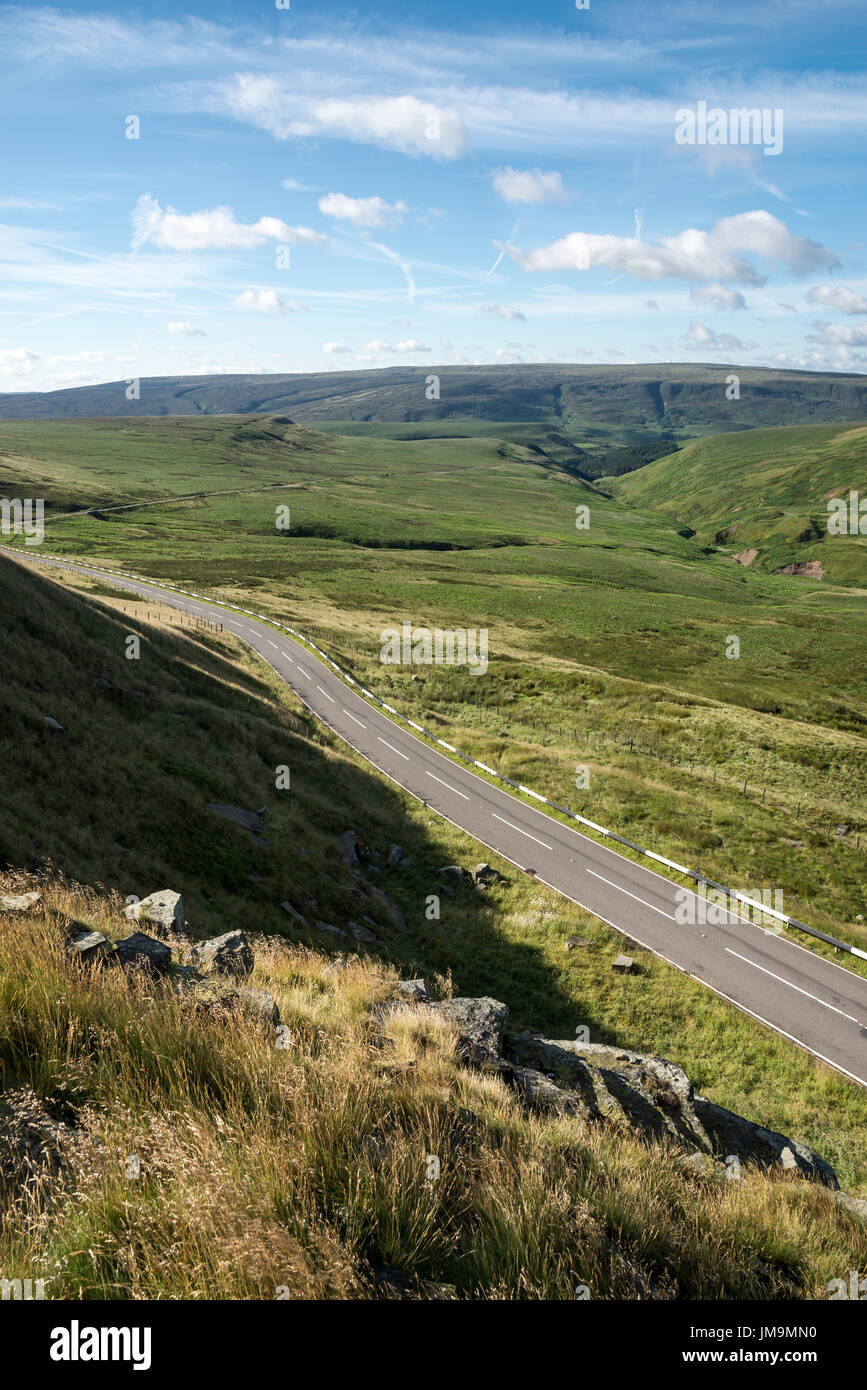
402 123
718 297
210 229
700 336
719 254
838 297
334 347
411 345
839 335
501 311
293 186
185 330
267 302
361 212
528 185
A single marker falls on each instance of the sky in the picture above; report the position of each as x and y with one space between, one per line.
302 186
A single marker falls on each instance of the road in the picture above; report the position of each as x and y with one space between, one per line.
812 1001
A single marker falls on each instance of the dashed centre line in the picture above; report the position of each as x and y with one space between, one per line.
783 981
446 785
354 720
632 895
405 756
327 696
512 826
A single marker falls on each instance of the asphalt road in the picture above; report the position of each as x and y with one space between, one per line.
812 1001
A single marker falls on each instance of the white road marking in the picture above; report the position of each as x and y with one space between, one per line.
446 785
273 644
288 657
356 721
512 826
303 673
327 696
395 750
633 895
805 992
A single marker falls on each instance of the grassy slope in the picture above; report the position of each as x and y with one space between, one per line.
770 486
269 1172
120 801
615 632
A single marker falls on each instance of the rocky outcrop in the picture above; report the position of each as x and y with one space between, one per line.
20 902
599 1083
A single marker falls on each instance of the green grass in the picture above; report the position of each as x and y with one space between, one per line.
765 490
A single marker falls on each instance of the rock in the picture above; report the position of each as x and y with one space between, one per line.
164 909
856 1205
483 874
391 1282
333 931
391 908
347 844
144 951
218 994
419 991
542 1094
261 1002
361 933
480 1023
293 912
702 1164
395 855
248 820
230 954
455 873
732 1134
573 942
20 902
53 725
88 946
623 965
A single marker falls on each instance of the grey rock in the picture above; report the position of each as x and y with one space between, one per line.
261 1002
143 951
455 873
20 902
483 874
88 946
419 991
573 942
53 725
346 844
395 854
230 954
332 931
542 1094
856 1205
702 1164
391 908
732 1134
34 1147
361 933
623 965
248 820
293 912
480 1023
164 909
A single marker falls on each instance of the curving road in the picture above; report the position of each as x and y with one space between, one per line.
810 1000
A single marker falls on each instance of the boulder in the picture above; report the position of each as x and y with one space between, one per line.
480 1023
623 965
732 1134
395 854
418 991
702 1164
542 1094
483 874
216 995
88 946
248 820
230 954
164 909
20 902
143 951
347 844
332 931
454 873
573 942
361 933
53 725
293 912
856 1205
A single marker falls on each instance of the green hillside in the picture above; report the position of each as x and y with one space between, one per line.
583 402
765 491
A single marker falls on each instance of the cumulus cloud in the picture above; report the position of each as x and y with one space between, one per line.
698 335
185 330
528 185
501 311
334 347
718 297
718 255
268 302
210 229
361 212
377 347
838 297
393 122
839 335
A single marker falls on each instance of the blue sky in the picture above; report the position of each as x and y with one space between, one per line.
325 187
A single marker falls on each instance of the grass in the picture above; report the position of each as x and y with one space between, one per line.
270 1172
121 800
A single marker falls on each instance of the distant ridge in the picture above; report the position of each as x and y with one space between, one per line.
668 397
